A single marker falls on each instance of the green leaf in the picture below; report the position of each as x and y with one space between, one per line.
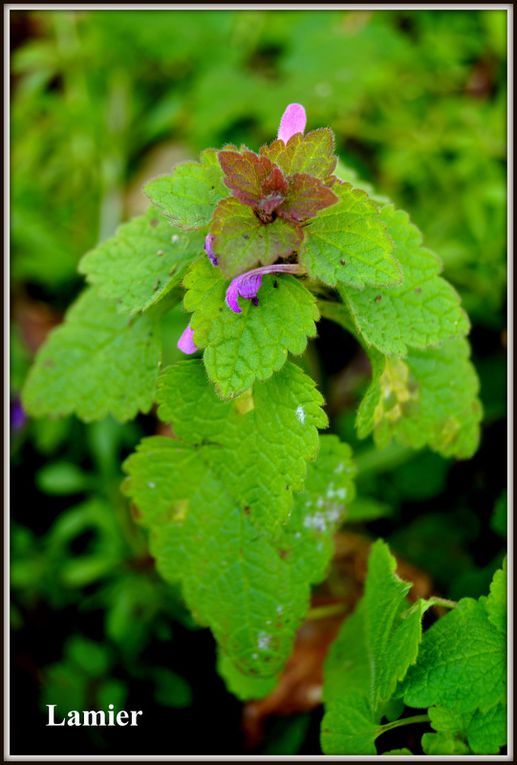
443 743
171 690
97 363
245 687
266 435
394 752
486 732
462 661
215 498
188 197
423 311
320 509
312 153
241 348
141 263
430 397
242 241
496 602
348 243
373 651
236 578
62 478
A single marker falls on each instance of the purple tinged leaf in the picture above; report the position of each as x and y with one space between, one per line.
307 196
312 153
293 121
247 285
242 241
253 179
209 240
186 342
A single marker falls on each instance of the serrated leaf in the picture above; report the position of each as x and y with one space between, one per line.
189 195
245 687
141 263
486 732
235 577
443 743
98 362
348 243
307 196
320 509
423 311
253 179
312 153
430 397
242 348
496 602
241 240
462 661
272 430
372 653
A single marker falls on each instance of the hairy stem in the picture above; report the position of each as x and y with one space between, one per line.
445 602
321 612
404 721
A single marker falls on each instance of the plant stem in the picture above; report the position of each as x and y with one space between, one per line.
445 602
404 721
321 612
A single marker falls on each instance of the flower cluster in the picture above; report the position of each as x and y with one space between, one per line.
275 184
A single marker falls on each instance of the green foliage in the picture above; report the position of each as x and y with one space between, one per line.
251 588
461 675
430 397
372 653
240 348
312 153
98 362
348 244
423 311
270 432
188 196
457 668
140 264
242 241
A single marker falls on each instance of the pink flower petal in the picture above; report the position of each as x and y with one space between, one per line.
293 121
209 239
247 285
186 342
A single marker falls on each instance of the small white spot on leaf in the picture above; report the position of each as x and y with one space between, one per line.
300 414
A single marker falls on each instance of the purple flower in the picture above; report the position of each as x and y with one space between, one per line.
209 240
18 416
247 285
293 121
186 342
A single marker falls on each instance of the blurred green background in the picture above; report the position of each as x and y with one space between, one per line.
100 102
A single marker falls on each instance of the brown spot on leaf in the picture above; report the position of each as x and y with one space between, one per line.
378 298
